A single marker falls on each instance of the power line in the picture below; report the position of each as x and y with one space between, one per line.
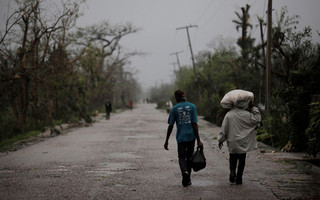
264 9
205 11
216 11
174 39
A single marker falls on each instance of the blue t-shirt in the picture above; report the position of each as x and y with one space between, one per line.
183 114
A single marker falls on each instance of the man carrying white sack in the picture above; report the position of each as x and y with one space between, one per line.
238 129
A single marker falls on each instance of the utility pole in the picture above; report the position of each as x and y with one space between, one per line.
262 40
177 55
261 23
174 66
174 71
194 65
268 58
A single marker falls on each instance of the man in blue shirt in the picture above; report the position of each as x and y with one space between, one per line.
184 114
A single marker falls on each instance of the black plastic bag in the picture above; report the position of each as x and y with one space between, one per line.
198 160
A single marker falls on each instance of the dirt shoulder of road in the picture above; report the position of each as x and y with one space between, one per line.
49 133
288 175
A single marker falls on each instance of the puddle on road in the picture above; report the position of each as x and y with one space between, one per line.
60 168
106 169
203 183
141 136
57 170
123 155
128 129
141 122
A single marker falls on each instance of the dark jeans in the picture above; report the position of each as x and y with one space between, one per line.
235 159
185 151
107 114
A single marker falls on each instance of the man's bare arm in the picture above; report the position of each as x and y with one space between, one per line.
196 134
169 131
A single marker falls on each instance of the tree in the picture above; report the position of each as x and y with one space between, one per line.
45 78
161 94
245 42
106 37
294 62
26 43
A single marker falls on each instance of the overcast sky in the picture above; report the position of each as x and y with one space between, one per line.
159 19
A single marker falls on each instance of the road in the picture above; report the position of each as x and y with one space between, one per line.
124 158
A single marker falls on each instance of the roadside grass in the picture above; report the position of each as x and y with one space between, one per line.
23 136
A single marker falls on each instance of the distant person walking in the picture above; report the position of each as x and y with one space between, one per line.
108 109
168 106
131 104
238 129
184 114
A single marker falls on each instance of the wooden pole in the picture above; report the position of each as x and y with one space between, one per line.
177 55
193 63
268 57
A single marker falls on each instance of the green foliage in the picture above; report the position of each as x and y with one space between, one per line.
313 130
215 78
7 124
301 84
295 75
295 80
264 137
48 75
185 81
275 131
212 111
161 94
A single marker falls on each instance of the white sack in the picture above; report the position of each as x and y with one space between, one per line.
239 98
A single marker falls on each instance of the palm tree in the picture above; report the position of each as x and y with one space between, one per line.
245 41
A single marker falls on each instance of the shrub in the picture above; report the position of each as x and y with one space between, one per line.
313 131
7 124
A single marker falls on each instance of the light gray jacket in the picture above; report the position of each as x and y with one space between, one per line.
238 129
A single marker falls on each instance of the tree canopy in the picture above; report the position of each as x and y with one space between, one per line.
51 73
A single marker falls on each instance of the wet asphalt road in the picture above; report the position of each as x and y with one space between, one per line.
123 158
